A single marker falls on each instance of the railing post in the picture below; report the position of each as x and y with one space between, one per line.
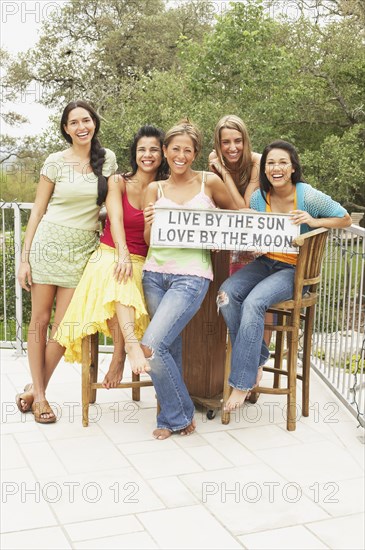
18 288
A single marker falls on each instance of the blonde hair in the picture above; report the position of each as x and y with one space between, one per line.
185 127
233 122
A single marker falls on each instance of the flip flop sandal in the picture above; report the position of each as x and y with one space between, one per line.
26 396
43 407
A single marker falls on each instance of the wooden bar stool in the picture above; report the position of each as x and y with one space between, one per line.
288 317
89 384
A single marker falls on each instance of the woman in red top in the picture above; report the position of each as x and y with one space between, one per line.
109 297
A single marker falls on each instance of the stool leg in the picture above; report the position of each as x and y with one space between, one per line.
136 392
308 330
94 364
225 416
85 380
292 370
279 350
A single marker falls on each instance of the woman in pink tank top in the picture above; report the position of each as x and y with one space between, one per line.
109 298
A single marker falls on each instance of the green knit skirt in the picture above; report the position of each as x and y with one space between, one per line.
59 254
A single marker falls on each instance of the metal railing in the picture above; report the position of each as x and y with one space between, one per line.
338 351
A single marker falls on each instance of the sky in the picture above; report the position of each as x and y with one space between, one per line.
20 24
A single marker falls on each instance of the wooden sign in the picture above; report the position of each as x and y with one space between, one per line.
224 230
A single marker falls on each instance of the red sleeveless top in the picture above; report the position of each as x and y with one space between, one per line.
133 226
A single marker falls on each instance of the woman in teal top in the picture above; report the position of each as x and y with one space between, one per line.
59 239
245 297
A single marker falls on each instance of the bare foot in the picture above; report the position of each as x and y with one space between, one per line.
161 433
113 376
137 360
189 429
25 400
236 399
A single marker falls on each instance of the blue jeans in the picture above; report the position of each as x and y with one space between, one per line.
172 301
248 295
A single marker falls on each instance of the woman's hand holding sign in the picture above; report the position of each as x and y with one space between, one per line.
149 214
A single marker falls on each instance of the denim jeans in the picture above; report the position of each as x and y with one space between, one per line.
248 295
172 301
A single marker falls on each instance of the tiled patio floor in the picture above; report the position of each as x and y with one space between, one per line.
250 484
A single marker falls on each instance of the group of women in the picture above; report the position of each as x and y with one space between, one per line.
142 296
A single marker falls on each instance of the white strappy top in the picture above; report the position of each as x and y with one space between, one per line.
182 261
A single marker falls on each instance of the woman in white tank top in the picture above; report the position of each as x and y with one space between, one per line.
175 280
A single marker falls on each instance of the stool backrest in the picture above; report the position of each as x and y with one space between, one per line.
308 268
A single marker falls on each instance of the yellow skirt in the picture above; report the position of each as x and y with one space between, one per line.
93 302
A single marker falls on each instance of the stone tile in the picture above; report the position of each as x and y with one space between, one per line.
10 414
31 436
65 430
129 423
36 539
305 433
262 487
165 463
349 435
288 538
341 533
102 494
264 437
252 498
23 503
101 528
193 440
232 449
339 498
166 529
43 460
137 541
11 362
147 447
172 492
11 455
7 389
323 462
208 457
87 454
19 423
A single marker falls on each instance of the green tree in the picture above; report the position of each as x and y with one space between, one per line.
296 80
300 79
90 48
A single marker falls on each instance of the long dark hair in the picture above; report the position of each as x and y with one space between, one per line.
97 152
148 131
296 176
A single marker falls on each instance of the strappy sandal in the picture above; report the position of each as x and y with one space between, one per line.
43 407
26 396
